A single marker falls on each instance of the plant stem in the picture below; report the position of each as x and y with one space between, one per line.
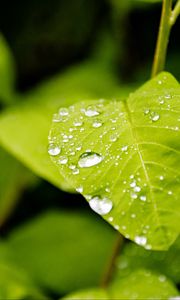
111 264
175 13
163 38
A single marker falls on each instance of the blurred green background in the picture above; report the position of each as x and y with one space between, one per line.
51 243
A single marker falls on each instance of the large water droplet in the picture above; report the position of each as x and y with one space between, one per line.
102 206
91 111
53 149
89 159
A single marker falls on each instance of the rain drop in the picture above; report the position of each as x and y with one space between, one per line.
91 112
97 124
140 240
63 160
63 111
89 159
102 206
53 150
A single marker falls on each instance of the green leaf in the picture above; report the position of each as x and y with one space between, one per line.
124 157
7 72
141 284
24 129
14 282
13 178
63 251
166 262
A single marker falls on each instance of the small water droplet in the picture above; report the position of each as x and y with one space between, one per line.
79 189
113 138
137 189
100 205
154 117
140 240
110 219
63 111
62 160
124 148
143 198
89 159
146 111
161 177
78 123
116 227
75 171
91 111
53 149
97 123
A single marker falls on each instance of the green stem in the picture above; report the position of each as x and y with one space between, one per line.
175 13
163 38
111 264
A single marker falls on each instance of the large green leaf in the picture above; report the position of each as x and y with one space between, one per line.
14 282
141 284
124 158
167 262
13 178
63 251
24 128
7 73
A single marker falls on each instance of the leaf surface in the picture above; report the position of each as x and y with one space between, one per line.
166 262
123 156
141 284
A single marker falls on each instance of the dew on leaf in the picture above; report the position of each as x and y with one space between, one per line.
63 111
97 123
91 111
154 117
100 205
89 159
54 150
143 198
75 171
79 189
124 148
140 240
62 160
78 123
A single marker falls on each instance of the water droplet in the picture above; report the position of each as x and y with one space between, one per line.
133 216
124 148
113 138
137 189
62 160
143 198
89 159
154 117
79 189
78 123
110 219
75 171
140 240
91 111
161 177
97 123
146 111
116 227
72 167
53 149
100 205
63 111
133 184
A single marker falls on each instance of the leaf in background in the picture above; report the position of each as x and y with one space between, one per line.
63 250
141 284
7 73
166 262
24 129
13 178
123 157
14 282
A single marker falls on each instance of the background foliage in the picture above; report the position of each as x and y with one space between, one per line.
55 53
